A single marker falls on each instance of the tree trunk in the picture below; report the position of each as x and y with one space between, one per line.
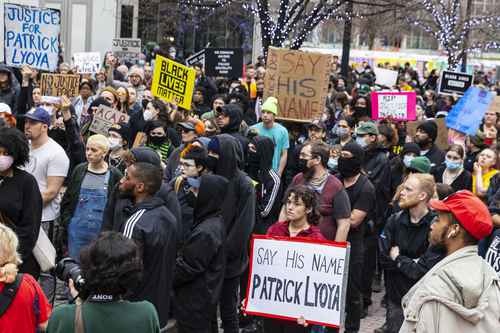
468 12
346 41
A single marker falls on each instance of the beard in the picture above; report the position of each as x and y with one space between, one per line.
308 173
408 203
438 242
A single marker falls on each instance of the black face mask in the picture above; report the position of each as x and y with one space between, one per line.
349 167
253 165
212 163
157 140
144 103
260 93
302 165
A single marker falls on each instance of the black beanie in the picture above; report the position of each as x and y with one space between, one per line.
430 128
410 148
356 150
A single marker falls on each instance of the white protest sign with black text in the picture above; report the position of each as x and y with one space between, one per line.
298 277
31 36
87 62
385 77
198 57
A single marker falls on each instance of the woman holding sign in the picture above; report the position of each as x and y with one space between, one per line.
302 218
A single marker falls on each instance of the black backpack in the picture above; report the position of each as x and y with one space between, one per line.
9 293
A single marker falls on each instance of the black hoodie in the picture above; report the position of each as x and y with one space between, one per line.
199 268
154 229
238 209
268 189
9 95
235 114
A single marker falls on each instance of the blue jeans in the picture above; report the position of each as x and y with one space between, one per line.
87 220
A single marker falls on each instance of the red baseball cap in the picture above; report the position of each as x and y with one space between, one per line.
470 212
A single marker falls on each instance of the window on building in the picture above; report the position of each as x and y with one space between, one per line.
127 21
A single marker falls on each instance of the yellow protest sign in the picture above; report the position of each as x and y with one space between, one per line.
173 82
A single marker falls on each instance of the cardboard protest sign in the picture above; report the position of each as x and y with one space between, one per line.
31 36
394 105
466 115
173 82
299 80
127 45
60 84
198 57
224 62
105 117
442 138
87 62
385 77
454 83
293 277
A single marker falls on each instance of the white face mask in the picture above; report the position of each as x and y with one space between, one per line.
114 143
6 162
148 115
407 160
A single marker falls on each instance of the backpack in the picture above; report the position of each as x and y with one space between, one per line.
9 293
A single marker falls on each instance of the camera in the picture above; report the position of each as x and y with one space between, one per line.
67 269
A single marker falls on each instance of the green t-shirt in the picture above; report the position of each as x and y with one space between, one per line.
123 317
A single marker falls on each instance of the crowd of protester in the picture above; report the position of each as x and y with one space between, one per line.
190 187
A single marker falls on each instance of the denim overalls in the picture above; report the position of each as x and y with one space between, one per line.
86 222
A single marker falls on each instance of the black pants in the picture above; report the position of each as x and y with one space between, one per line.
354 298
369 267
282 326
394 316
229 305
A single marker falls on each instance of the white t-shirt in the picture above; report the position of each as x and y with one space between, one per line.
47 161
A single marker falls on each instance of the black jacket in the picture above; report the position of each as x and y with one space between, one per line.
119 209
238 210
186 200
9 95
436 156
199 268
378 170
462 182
154 229
412 240
235 114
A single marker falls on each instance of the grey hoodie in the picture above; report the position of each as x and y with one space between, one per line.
461 293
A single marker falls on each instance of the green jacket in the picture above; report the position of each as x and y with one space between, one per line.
70 198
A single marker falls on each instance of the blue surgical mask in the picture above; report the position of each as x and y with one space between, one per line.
361 141
194 182
332 163
453 165
341 131
407 160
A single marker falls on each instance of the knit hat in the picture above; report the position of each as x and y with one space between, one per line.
122 129
367 127
420 164
429 127
99 140
469 211
410 148
136 71
5 108
271 105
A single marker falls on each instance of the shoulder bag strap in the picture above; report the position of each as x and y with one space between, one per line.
79 327
9 293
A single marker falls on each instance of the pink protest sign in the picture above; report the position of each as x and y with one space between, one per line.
394 105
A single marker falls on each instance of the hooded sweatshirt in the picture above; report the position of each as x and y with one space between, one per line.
235 114
199 268
154 229
238 210
269 188
461 293
8 94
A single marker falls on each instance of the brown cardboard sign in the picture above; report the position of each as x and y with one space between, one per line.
105 117
299 80
60 84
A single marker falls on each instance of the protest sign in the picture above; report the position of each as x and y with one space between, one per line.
385 77
59 84
87 62
299 80
454 83
394 105
224 62
198 57
127 45
442 138
466 115
31 36
105 117
294 277
173 82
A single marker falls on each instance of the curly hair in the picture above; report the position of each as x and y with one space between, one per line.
310 200
110 265
16 145
9 244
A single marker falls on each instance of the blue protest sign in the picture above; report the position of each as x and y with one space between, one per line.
466 115
31 36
